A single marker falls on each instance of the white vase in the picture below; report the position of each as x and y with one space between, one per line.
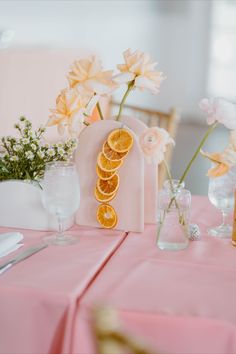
21 207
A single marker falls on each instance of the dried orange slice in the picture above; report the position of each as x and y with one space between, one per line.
110 186
108 165
111 154
120 140
102 198
104 175
106 216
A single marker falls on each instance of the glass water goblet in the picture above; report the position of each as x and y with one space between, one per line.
221 195
61 197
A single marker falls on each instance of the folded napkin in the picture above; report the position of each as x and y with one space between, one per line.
10 242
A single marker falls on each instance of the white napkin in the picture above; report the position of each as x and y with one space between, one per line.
10 242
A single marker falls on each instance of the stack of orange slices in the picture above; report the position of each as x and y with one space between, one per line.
110 159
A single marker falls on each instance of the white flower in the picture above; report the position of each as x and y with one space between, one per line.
61 151
25 141
219 110
29 155
41 154
139 68
33 147
32 134
17 147
14 158
51 152
70 151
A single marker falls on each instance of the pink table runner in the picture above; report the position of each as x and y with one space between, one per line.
180 302
39 296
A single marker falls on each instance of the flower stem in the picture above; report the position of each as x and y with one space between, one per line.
100 111
211 128
168 172
129 88
172 188
202 142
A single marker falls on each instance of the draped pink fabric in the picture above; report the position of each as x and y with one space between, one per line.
39 296
179 302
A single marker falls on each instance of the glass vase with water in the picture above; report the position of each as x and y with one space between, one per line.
173 216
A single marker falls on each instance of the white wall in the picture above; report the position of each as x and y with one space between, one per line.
175 33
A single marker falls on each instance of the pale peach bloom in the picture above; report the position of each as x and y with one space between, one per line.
219 110
94 117
153 142
139 68
87 74
223 161
220 168
70 111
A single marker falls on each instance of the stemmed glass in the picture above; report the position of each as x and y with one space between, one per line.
221 195
61 197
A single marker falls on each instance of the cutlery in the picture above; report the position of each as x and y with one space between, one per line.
21 256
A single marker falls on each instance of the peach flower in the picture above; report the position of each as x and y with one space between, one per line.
219 110
153 143
87 74
139 68
70 111
224 161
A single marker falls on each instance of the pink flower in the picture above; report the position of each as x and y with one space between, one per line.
219 110
139 68
153 143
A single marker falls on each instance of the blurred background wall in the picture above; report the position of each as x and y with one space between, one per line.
194 43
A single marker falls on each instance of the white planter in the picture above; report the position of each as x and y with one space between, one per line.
21 207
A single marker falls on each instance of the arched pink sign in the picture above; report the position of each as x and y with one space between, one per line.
135 202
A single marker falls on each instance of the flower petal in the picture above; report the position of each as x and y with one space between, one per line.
219 170
142 83
123 78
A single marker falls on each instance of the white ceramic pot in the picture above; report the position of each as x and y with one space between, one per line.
21 207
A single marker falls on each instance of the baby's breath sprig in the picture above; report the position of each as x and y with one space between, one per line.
25 157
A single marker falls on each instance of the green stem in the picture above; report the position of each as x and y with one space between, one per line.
100 111
168 172
202 142
129 88
211 128
171 187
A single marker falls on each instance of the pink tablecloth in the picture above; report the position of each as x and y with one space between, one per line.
39 296
180 302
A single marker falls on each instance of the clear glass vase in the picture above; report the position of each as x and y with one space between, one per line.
174 204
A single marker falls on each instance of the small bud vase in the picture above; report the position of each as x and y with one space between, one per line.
173 216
